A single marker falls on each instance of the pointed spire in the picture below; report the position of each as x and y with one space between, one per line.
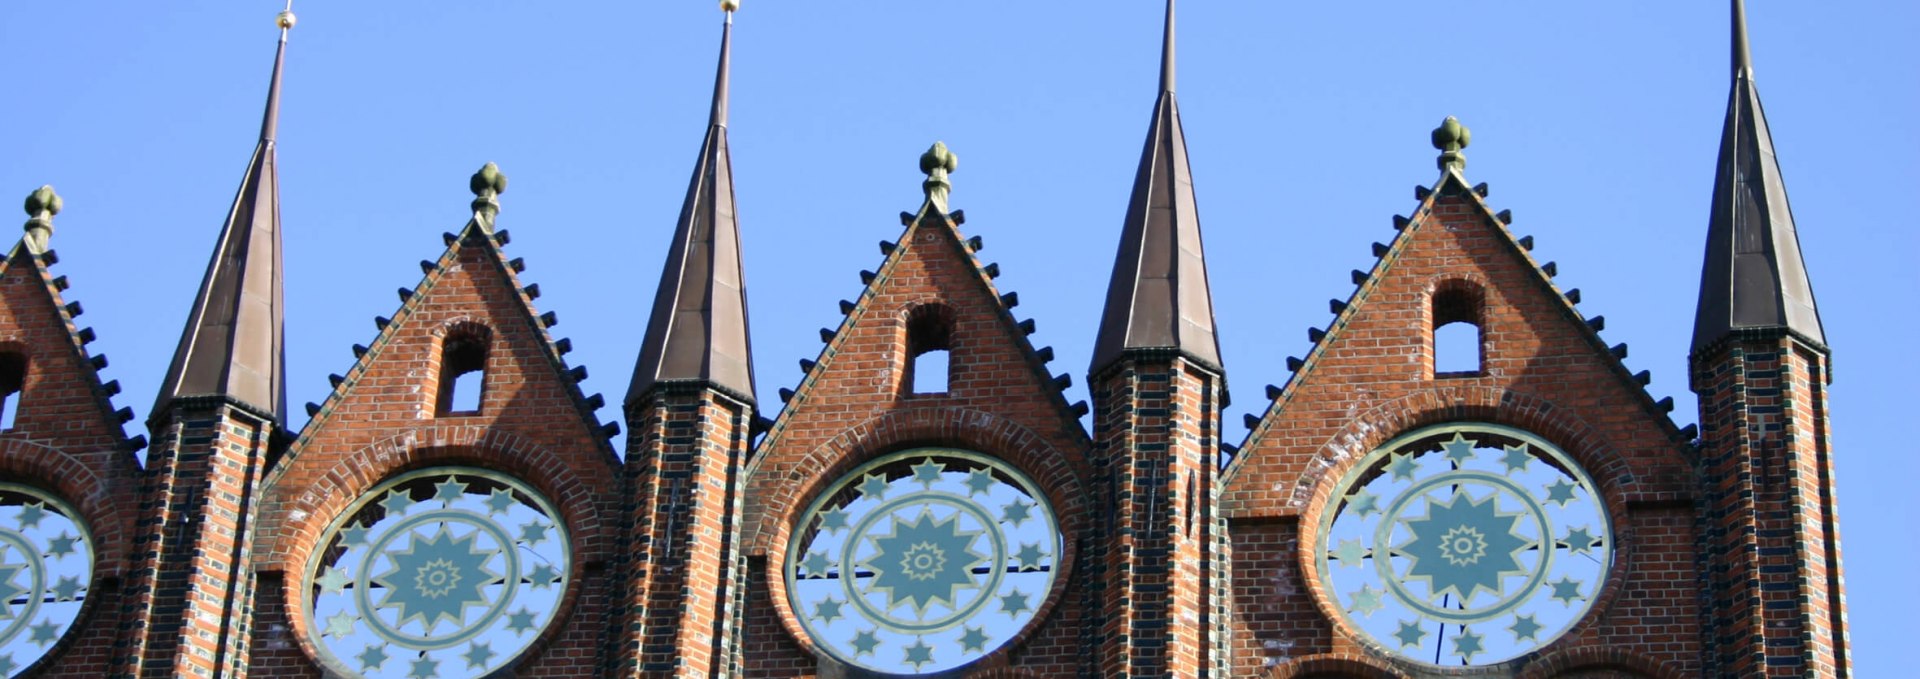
1753 278
698 331
1158 297
231 348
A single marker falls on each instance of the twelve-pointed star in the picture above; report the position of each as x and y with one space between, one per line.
437 579
332 581
1460 449
1363 503
424 668
478 655
1018 512
1566 590
924 561
927 473
979 481
864 642
874 487
975 639
1463 546
1517 458
1560 492
1579 540
66 588
1402 466
1524 627
918 654
520 621
1013 603
449 490
1029 555
31 514
373 657
827 609
833 520
44 633
1467 645
61 546
1410 633
397 501
499 501
1366 600
1349 553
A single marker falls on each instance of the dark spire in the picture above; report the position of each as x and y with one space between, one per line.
1753 278
231 347
698 332
1158 297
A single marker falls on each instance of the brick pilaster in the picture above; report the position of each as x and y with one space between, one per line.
1164 560
1778 606
685 594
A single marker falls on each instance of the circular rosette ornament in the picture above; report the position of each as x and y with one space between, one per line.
446 572
1464 544
922 561
46 568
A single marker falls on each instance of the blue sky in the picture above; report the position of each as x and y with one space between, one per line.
1596 123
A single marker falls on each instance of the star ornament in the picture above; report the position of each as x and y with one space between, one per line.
974 640
437 579
1460 449
923 561
864 642
1464 546
927 473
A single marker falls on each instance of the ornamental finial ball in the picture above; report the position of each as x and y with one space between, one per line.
938 158
488 178
43 199
1451 135
729 5
286 19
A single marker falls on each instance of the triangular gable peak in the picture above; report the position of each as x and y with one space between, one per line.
931 293
62 399
1370 374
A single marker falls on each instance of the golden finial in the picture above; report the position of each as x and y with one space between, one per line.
729 6
286 19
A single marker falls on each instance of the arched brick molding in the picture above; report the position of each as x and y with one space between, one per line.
1596 662
102 503
1335 666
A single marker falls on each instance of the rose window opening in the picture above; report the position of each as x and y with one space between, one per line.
1464 544
447 572
922 561
46 570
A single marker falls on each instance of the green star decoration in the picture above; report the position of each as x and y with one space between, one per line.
478 655
449 490
1560 492
534 533
874 487
499 501
1524 627
333 581
1350 552
397 502
1363 503
1464 546
833 520
924 561
918 654
1018 512
1567 590
437 579
1030 556
1013 603
543 575
1410 633
1402 467
979 481
1460 449
927 473
975 639
341 624
827 609
520 621
44 633
355 534
1517 458
8 590
864 643
815 564
1366 600
67 588
372 658
1467 645
7 665
424 668
31 514
61 546
1579 540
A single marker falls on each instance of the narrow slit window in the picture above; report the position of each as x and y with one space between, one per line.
1458 342
929 361
13 376
463 371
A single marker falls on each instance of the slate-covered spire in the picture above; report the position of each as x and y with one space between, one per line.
1158 298
1753 278
698 332
231 348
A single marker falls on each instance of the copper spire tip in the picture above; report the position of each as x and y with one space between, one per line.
1450 138
729 6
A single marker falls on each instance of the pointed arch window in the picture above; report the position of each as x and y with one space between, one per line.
1457 342
928 367
13 377
463 369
